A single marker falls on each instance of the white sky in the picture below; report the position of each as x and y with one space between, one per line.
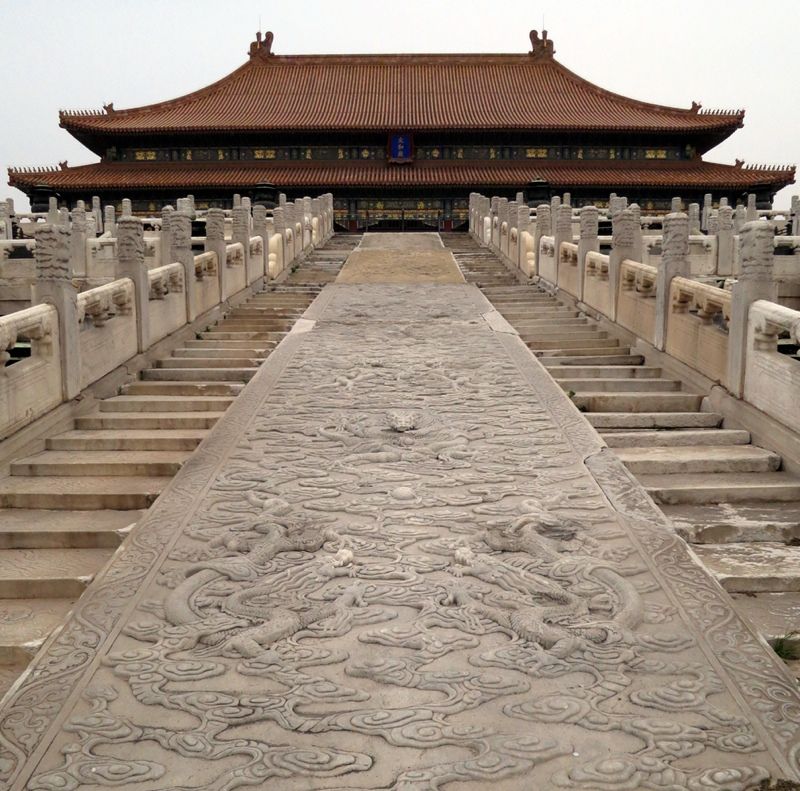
67 54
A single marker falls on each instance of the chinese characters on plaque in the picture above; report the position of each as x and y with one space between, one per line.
400 148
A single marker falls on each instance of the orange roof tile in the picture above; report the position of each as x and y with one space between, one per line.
399 92
474 174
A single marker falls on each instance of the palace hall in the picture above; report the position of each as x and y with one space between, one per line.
402 138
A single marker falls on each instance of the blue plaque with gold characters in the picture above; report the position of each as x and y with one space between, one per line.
401 148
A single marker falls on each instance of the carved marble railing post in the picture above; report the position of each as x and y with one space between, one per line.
110 220
544 227
502 221
638 242
676 206
180 230
523 227
279 228
713 222
6 231
330 212
192 207
708 202
237 200
752 211
563 233
308 241
260 230
52 211
317 222
756 281
54 287
296 213
473 207
624 230
616 205
795 215
78 241
486 231
567 199
588 241
127 207
130 263
215 243
494 239
97 211
694 219
739 218
281 199
674 263
241 234
725 241
512 253
165 237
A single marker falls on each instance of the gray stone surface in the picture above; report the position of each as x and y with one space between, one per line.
402 560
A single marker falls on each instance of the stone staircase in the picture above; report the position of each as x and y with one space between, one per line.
726 496
65 510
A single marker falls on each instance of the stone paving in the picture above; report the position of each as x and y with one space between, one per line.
403 560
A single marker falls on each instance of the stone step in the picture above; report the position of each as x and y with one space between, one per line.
691 458
525 306
617 385
38 529
148 403
237 325
196 374
598 360
259 347
534 325
753 568
149 463
722 523
565 342
121 421
183 388
96 493
638 402
217 335
560 372
206 352
163 440
559 336
773 615
654 420
264 310
650 439
612 349
542 313
177 361
535 313
27 623
49 573
722 487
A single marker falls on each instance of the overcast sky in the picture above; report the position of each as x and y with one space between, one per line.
64 54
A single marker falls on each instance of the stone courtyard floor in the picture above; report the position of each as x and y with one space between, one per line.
402 560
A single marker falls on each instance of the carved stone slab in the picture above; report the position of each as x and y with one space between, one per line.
402 560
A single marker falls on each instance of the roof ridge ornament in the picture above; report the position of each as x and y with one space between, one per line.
541 47
262 48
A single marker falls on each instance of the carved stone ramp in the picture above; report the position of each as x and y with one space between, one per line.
402 560
401 258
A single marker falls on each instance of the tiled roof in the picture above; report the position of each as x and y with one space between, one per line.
400 92
474 174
